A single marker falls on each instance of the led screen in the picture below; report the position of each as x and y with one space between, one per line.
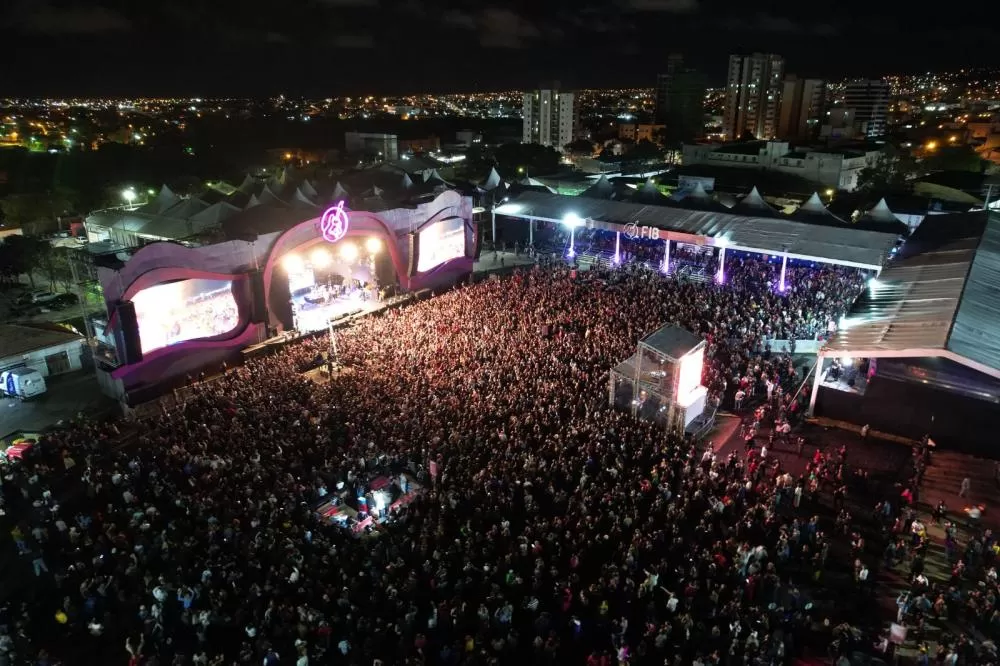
440 242
185 310
690 374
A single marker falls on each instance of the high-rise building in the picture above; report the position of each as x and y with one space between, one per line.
550 117
753 95
870 101
680 101
803 103
675 61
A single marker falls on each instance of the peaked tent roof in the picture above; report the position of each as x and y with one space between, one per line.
697 199
300 200
493 180
254 201
406 182
601 189
435 178
880 212
698 192
340 192
308 189
649 193
754 199
248 185
163 201
814 204
185 208
754 204
814 211
216 213
267 196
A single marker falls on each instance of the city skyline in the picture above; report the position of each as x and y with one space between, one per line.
342 47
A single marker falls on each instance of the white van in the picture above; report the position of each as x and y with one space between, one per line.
22 383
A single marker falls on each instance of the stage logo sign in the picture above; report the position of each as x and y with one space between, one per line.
333 224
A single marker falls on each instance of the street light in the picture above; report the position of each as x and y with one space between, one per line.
129 195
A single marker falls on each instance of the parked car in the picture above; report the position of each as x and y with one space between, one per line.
66 299
29 296
40 298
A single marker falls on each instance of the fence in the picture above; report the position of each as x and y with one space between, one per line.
801 346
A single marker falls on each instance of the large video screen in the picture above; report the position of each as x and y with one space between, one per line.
440 242
185 310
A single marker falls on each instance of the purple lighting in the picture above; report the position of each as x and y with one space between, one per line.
333 224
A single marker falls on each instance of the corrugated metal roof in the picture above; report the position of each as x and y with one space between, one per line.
976 332
843 245
946 299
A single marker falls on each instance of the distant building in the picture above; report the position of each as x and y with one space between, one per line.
431 144
803 109
550 117
639 131
753 95
680 101
839 124
468 137
675 62
870 101
372 144
836 169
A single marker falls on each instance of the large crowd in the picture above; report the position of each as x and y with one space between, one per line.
553 528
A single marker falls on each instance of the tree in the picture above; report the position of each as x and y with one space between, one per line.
22 255
580 147
644 151
527 158
54 263
36 212
954 158
889 171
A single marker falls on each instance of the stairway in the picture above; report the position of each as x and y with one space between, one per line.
943 480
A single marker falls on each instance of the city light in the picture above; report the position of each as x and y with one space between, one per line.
349 251
373 245
292 263
931 145
830 191
320 258
572 220
129 195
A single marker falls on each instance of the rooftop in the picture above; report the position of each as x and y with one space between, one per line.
672 341
837 244
940 299
745 148
19 340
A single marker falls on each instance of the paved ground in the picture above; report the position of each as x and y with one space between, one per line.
888 460
492 261
67 395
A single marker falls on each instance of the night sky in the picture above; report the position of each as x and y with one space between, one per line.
337 47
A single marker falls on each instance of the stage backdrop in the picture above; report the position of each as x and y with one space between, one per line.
227 314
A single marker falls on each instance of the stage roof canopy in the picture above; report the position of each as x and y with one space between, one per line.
842 244
942 301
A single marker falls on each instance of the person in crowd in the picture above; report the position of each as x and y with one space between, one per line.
552 527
